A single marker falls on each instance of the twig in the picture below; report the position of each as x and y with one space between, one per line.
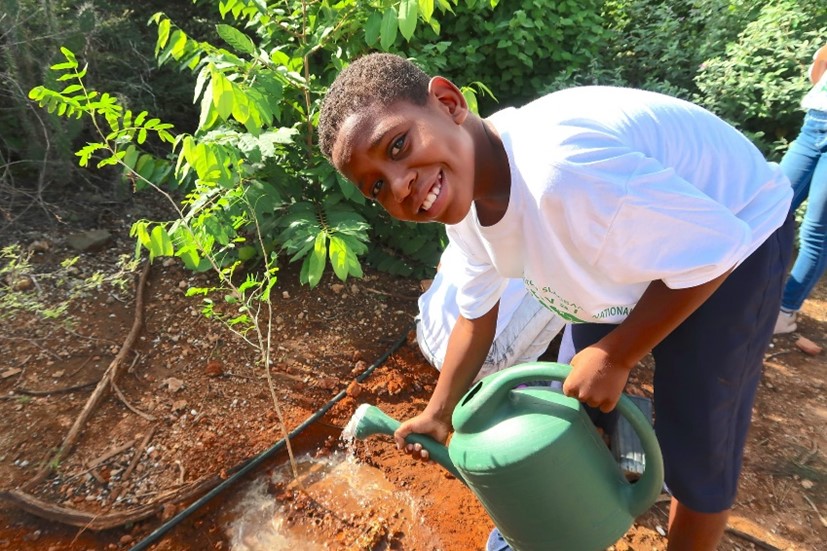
813 505
64 390
132 464
389 294
110 454
129 406
134 361
109 375
776 354
74 517
181 471
76 371
752 539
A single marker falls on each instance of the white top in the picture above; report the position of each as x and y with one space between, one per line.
611 189
438 308
816 98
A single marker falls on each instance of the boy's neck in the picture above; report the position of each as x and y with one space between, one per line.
492 181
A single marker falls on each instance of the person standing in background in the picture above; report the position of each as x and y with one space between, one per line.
805 164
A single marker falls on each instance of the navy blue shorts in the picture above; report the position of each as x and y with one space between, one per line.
706 374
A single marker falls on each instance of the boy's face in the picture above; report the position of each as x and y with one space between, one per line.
416 161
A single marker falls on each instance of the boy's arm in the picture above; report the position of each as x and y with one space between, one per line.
468 346
819 64
600 372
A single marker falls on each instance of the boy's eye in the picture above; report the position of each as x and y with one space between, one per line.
377 187
396 146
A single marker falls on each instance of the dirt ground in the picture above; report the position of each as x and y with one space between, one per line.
192 406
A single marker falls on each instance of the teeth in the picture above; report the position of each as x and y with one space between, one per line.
434 193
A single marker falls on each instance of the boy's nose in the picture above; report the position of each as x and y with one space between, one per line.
402 184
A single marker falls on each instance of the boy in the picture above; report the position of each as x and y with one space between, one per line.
645 221
524 327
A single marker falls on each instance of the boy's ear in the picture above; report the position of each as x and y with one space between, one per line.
450 97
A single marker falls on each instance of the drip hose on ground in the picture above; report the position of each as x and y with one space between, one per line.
250 464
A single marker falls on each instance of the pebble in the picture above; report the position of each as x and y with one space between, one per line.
808 347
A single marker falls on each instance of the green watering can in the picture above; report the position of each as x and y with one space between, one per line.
536 462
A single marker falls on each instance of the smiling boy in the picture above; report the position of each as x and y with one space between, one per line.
646 221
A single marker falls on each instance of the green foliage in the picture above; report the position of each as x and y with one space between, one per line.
259 99
760 79
37 148
21 286
660 45
517 49
253 181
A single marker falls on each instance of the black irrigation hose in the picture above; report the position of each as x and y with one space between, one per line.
254 462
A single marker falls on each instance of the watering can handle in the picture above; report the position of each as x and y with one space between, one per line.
493 389
372 420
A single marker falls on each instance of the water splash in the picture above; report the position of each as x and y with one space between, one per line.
348 435
352 499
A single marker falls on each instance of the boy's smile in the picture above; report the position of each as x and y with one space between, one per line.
416 161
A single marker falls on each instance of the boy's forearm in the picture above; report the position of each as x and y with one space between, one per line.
819 65
468 346
658 312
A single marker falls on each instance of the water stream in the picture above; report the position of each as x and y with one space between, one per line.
339 503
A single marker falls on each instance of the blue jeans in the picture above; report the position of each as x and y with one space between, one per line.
805 164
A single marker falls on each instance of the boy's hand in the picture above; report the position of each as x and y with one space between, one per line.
596 380
426 424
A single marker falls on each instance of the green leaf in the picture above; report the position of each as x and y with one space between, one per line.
160 244
163 35
372 28
222 94
189 255
338 257
426 8
235 38
408 11
390 27
316 260
139 230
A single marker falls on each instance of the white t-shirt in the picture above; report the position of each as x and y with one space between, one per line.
611 189
438 305
524 327
816 98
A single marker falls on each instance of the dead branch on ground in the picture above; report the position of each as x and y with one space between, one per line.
109 375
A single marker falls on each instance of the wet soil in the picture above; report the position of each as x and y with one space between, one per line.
192 406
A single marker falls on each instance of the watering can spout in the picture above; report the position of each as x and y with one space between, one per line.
369 420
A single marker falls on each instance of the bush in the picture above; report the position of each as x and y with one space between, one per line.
758 83
660 45
517 49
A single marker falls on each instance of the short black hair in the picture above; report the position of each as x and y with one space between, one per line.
375 79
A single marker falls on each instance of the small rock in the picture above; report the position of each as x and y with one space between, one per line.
337 288
808 347
327 383
39 246
173 384
214 368
10 372
360 367
807 484
183 284
179 405
89 241
22 283
285 295
354 389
